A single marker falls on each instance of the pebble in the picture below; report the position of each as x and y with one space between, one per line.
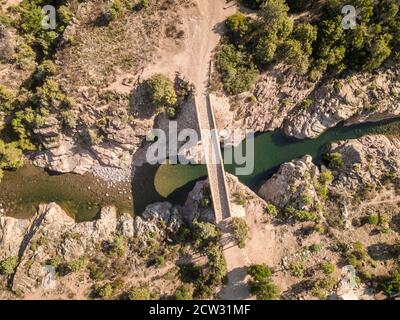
113 175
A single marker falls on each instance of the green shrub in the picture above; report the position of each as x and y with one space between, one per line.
373 219
259 272
237 25
297 269
334 160
184 292
216 265
7 97
10 156
240 231
68 119
315 248
272 209
204 232
161 91
139 293
306 104
392 285
264 290
237 73
25 57
326 177
115 248
260 284
9 265
105 292
77 264
301 215
328 268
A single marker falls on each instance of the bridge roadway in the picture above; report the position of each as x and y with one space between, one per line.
213 157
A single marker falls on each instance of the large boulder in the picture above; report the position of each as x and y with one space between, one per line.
291 183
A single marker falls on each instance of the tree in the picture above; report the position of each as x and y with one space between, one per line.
162 92
240 231
264 290
237 25
379 51
237 71
260 284
259 272
306 34
291 53
204 232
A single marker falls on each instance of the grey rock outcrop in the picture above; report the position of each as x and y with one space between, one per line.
292 184
358 98
52 233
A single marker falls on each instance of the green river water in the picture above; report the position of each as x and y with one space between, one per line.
82 196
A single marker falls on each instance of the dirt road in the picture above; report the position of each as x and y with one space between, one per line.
202 34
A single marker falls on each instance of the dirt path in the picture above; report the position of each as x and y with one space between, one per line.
202 35
192 60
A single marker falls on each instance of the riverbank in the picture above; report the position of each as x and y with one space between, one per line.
81 196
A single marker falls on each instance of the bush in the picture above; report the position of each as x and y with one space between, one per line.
77 264
272 210
373 219
9 265
7 97
115 248
306 104
161 91
68 119
104 292
392 285
184 292
259 272
297 269
240 231
10 156
328 268
237 25
204 232
216 265
326 177
264 290
260 284
315 248
334 160
139 293
301 215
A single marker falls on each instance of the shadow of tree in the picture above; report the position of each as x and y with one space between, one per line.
381 251
297 289
236 288
395 223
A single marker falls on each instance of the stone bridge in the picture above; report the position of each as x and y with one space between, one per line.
213 157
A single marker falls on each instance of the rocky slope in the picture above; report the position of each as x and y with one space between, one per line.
305 109
52 234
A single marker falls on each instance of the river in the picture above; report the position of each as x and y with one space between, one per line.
83 196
